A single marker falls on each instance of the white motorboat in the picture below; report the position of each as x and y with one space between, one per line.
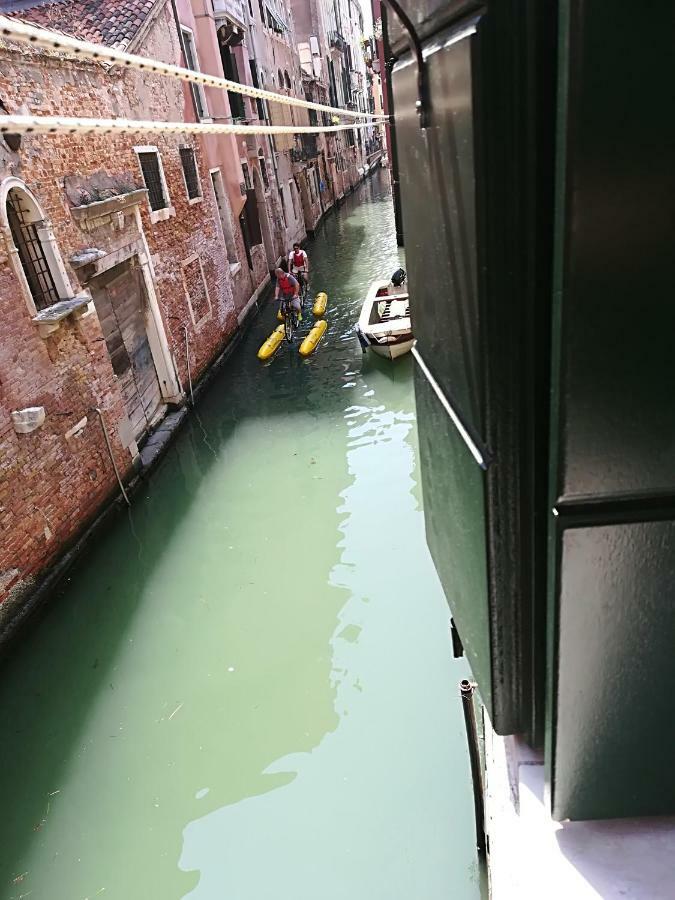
384 324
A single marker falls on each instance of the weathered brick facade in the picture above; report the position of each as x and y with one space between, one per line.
55 478
145 235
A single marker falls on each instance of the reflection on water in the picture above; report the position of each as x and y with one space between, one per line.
246 690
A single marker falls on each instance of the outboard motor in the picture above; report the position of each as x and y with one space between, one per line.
363 340
398 277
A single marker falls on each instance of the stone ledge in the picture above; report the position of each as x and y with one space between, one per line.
101 208
49 320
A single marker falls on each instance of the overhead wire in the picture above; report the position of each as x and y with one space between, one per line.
24 124
16 30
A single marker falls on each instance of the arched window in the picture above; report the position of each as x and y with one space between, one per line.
32 247
281 79
287 80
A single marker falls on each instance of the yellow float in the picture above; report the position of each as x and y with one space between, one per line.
310 342
271 345
320 304
280 315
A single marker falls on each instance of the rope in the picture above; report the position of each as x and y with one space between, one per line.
51 40
74 124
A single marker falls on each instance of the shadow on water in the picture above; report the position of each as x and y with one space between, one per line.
194 646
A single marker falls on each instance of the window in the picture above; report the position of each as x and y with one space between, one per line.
231 72
150 162
196 291
224 214
191 62
192 185
153 178
287 81
255 82
282 201
313 183
313 115
263 170
25 229
293 189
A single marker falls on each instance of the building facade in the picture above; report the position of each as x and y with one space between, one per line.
116 283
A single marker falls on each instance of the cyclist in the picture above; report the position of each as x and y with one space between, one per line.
298 264
288 289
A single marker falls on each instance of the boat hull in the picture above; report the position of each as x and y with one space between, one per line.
392 351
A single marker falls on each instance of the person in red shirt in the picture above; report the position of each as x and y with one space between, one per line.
298 264
288 288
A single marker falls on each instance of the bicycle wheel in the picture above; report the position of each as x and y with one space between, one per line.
289 322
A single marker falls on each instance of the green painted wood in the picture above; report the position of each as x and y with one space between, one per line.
476 197
612 479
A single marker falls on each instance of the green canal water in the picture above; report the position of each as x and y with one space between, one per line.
246 689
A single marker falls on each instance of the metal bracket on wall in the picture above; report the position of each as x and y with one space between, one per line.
422 104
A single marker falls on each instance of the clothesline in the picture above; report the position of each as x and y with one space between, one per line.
74 125
16 30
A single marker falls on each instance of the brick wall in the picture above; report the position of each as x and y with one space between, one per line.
52 482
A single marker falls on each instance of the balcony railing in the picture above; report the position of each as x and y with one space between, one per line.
306 149
230 9
335 39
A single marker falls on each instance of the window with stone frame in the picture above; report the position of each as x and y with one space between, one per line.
192 62
196 291
153 176
25 230
190 173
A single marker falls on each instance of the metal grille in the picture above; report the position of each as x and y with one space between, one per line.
153 180
187 158
27 242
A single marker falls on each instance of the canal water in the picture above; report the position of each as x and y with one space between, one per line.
246 690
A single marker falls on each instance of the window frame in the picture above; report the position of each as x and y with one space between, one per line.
48 245
197 89
293 191
197 323
200 196
156 215
225 221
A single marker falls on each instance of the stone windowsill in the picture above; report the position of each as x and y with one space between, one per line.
49 320
106 207
196 200
161 215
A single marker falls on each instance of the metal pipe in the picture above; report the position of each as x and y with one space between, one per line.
187 356
391 132
422 104
112 458
466 690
